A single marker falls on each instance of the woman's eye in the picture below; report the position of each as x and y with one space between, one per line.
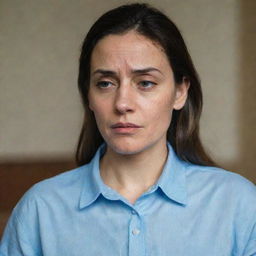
104 84
146 84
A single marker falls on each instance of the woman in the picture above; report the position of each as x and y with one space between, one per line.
145 185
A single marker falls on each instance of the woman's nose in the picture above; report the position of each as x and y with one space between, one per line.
124 100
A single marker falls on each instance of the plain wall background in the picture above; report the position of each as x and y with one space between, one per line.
40 109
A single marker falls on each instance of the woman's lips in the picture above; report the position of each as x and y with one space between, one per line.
125 128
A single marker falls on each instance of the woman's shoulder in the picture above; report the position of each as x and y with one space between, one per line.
229 182
66 185
64 179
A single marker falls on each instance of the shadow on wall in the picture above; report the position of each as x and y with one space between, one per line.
245 165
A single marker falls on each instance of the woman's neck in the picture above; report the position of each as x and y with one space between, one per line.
131 175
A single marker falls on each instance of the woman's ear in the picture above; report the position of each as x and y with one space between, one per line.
181 94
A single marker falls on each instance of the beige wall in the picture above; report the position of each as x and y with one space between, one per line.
40 110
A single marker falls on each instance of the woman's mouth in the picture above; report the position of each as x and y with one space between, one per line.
125 128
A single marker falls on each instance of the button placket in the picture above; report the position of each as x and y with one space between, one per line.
136 236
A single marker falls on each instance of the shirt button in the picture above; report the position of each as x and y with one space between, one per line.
133 212
136 232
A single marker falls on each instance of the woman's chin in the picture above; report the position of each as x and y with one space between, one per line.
126 149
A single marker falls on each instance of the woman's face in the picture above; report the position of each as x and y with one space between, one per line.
132 92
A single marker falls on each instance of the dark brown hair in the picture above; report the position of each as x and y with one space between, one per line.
183 133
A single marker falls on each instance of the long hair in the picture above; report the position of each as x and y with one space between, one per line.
183 132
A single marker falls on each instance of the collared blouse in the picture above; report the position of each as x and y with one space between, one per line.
191 210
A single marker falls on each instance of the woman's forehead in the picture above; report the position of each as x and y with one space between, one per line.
127 51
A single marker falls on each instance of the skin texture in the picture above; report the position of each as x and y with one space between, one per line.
144 98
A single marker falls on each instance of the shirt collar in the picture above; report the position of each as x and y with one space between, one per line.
93 185
172 180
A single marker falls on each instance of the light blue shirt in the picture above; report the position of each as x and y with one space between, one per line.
191 210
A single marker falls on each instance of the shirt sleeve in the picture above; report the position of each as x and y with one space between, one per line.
21 237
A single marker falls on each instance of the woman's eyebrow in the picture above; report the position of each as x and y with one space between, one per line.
145 70
104 72
134 71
